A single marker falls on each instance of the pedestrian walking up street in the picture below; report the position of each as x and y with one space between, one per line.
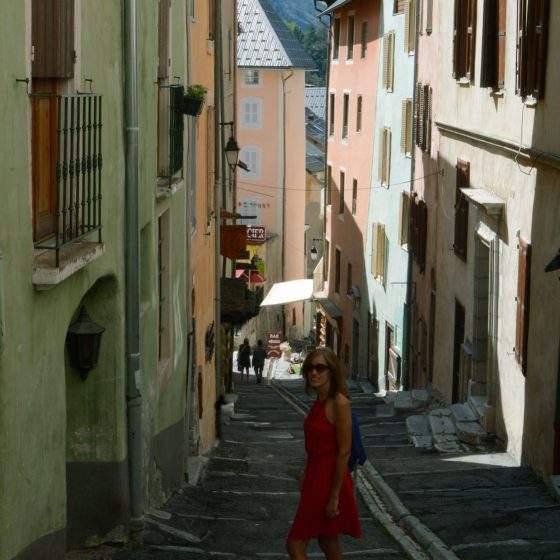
259 357
244 358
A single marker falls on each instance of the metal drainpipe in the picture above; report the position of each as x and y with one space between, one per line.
409 289
284 80
218 93
132 271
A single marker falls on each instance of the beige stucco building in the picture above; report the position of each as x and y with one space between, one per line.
498 204
271 132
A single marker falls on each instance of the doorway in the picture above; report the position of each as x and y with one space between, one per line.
391 360
458 337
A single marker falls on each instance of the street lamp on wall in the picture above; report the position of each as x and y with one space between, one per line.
83 340
231 148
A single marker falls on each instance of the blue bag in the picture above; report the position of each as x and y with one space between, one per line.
357 453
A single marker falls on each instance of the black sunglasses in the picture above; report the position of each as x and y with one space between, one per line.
319 368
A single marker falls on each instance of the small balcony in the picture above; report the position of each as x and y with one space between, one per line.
67 166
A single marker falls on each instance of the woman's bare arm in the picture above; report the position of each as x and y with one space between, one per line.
342 419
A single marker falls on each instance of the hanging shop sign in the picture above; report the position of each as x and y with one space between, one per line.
256 234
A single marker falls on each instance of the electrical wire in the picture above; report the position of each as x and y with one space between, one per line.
239 182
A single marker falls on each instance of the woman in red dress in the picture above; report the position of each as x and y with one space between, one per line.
327 507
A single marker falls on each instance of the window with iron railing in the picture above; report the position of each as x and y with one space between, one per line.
171 125
66 167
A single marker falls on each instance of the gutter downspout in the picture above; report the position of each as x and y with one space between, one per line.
284 80
218 104
410 290
132 273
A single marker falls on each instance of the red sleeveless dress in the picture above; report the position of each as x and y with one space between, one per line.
322 449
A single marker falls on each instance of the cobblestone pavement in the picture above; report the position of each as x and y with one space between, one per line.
243 505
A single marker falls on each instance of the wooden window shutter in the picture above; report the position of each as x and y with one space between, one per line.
44 111
409 143
404 218
416 114
329 185
501 43
52 36
523 294
427 118
458 39
489 45
387 159
415 224
164 19
461 210
391 62
404 108
521 62
374 250
422 234
471 39
386 40
378 244
537 28
381 251
381 158
429 16
407 25
421 115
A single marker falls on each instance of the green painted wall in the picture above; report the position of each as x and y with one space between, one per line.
48 415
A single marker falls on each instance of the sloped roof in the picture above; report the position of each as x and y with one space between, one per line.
315 100
334 6
265 41
314 158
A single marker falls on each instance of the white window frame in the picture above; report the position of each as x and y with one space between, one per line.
256 73
252 157
251 113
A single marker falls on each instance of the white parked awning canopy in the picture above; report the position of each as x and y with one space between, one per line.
288 292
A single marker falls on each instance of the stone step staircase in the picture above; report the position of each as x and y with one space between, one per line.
454 429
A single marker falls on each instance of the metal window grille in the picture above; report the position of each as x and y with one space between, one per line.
176 125
78 168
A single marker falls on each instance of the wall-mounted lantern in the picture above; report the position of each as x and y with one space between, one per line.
83 340
231 148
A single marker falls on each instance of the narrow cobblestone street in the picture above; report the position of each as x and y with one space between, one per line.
480 505
244 503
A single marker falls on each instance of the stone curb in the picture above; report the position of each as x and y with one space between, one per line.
432 544
422 534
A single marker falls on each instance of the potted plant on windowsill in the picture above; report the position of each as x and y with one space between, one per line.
193 100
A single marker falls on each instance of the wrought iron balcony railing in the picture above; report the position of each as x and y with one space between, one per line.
76 180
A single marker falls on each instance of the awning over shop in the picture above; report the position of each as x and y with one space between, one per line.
330 309
288 292
251 276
